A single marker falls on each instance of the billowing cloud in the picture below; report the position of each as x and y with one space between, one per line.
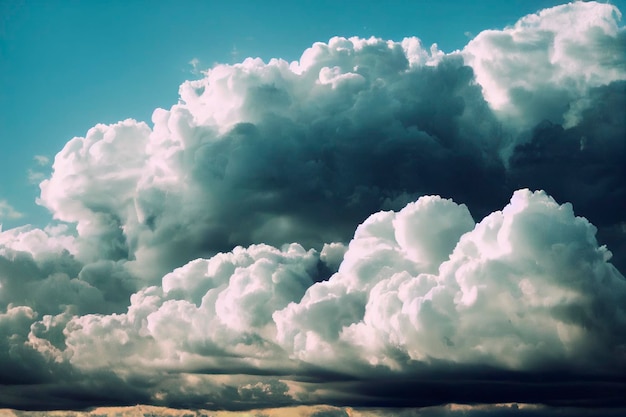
208 313
277 153
420 292
558 77
543 66
280 152
226 256
525 289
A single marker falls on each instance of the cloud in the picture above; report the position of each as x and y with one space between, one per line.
415 240
423 296
206 314
35 176
8 212
527 289
277 153
195 62
542 66
589 171
170 275
280 152
38 269
41 160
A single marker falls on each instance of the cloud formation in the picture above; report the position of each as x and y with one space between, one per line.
8 212
525 289
425 291
171 277
277 153
543 66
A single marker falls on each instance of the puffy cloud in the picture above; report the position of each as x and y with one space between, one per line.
541 67
277 152
420 292
528 288
38 269
413 241
136 295
210 313
583 164
556 80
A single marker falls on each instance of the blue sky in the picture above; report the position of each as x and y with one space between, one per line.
68 65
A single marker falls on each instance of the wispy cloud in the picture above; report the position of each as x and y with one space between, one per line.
42 160
195 66
8 212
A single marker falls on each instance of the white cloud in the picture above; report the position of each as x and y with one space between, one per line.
195 63
543 66
415 240
270 153
137 288
204 313
8 212
527 288
280 152
41 160
35 176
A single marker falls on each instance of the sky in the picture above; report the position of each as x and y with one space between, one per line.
68 65
386 209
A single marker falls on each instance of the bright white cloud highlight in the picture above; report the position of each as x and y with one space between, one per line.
532 70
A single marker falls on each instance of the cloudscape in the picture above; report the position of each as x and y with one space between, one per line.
378 228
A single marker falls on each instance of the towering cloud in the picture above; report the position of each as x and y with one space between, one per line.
544 66
279 152
525 289
224 258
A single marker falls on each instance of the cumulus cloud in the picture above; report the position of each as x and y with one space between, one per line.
170 275
525 289
210 313
280 152
415 240
420 292
542 67
277 153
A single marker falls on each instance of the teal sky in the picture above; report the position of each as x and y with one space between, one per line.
68 65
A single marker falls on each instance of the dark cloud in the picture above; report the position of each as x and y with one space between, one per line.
583 164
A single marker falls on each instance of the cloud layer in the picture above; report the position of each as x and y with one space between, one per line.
526 292
171 277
